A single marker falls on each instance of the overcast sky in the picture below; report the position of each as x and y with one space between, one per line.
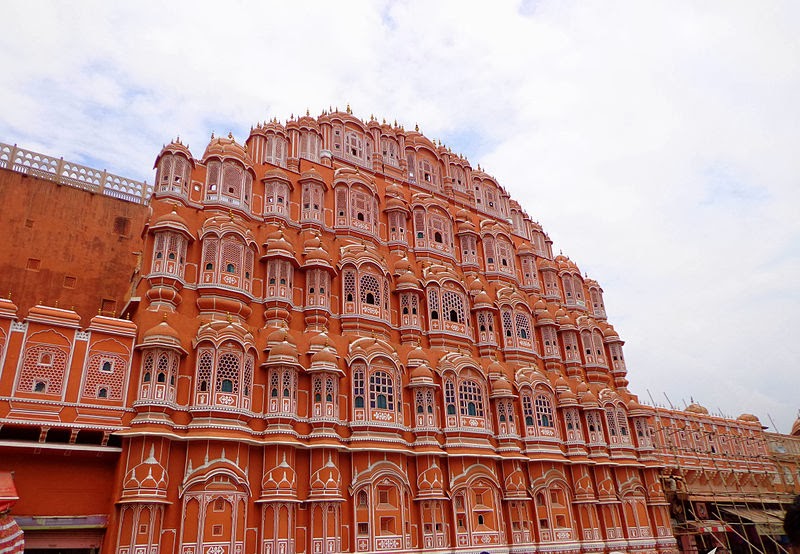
657 143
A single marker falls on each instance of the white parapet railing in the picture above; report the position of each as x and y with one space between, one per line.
74 175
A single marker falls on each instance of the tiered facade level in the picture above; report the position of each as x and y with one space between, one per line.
345 338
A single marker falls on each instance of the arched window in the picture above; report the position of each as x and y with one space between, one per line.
366 292
358 387
173 175
544 411
228 183
233 255
381 390
465 397
282 390
224 376
539 414
375 393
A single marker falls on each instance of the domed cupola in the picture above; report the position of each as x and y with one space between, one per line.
229 174
162 335
269 143
227 147
501 388
174 166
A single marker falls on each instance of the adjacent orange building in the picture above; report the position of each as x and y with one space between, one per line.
338 336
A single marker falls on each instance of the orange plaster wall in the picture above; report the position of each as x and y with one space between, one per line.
53 484
68 230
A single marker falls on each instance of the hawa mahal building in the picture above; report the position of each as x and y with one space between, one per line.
337 336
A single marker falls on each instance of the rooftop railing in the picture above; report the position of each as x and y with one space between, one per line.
71 174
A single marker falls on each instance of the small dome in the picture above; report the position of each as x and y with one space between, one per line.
276 175
545 265
402 265
278 335
162 330
283 350
407 280
544 317
796 428
174 147
396 204
324 356
482 300
567 397
318 341
171 221
318 256
227 147
495 368
277 245
395 191
610 333
465 226
589 400
312 242
422 373
476 285
311 175
417 357
750 418
501 387
696 409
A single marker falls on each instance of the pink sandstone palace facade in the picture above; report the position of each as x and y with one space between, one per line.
337 336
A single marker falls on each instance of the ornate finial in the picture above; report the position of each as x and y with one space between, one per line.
127 314
416 127
99 310
230 135
229 317
395 123
308 113
291 116
384 121
348 109
9 295
164 317
212 135
56 304
372 117
337 108
230 214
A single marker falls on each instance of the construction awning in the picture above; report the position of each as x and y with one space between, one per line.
767 522
10 534
702 526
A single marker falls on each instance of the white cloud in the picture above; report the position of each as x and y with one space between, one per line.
656 142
